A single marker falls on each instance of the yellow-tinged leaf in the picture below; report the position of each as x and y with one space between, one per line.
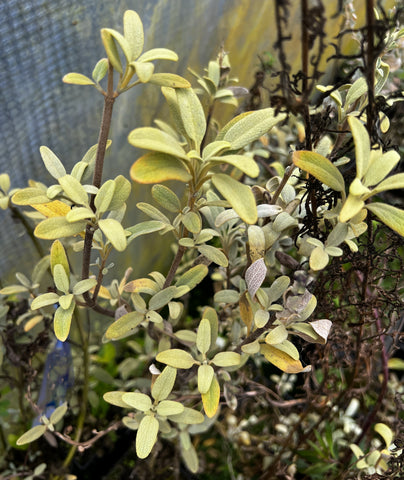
321 168
62 320
158 54
138 400
385 432
33 434
246 164
159 167
226 359
115 233
116 398
146 435
205 377
282 360
32 322
30 196
192 114
318 258
141 285
393 217
73 189
77 79
211 398
246 312
111 49
169 407
53 209
176 358
351 207
169 80
144 70
238 195
61 278
362 146
58 256
133 33
203 336
150 138
124 326
58 227
396 363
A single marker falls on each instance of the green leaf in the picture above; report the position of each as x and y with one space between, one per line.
44 300
391 183
52 163
144 71
203 337
242 162
282 360
205 377
226 359
211 398
226 296
215 148
321 168
351 207
188 416
380 166
278 287
276 335
4 182
104 196
79 213
60 278
362 146
115 398
124 326
158 167
30 196
318 259
111 50
166 198
121 192
214 254
393 217
150 138
163 384
122 42
176 358
192 222
12 289
158 54
58 227
133 33
249 126
115 233
162 297
58 256
58 413
140 401
77 79
100 70
238 195
33 434
192 114
169 80
153 212
143 228
146 436
192 277
169 407
73 189
62 320
84 286
357 89
172 102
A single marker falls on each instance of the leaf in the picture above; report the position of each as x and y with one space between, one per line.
255 276
12 289
163 384
121 192
169 407
44 300
278 287
124 326
226 359
52 163
385 432
100 70
318 259
362 146
211 315
150 138
261 318
137 400
116 398
58 227
158 54
215 148
391 183
33 434
276 335
104 196
176 358
133 33
122 42
73 189
351 207
205 377
29 196
58 256
142 285
58 413
321 168
79 213
214 254
162 297
190 458
143 228
166 198
282 360
188 416
77 79
115 233
242 162
53 209
391 216
226 296
249 126
322 328
158 167
169 80
256 240
62 321
66 300
84 286
146 436
61 278
144 71
211 398
172 102
192 222
238 195
192 114
203 336
357 89
193 276
380 166
246 312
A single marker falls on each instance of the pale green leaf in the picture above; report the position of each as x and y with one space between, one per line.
73 189
104 196
33 434
115 233
357 89
249 126
318 259
190 458
321 168
111 50
251 348
162 297
144 71
100 70
158 54
124 326
391 183
133 33
393 217
380 166
52 163
211 398
188 416
137 400
256 240
203 336
169 407
226 359
356 450
351 207
146 436
30 196
205 377
246 164
211 315
122 42
192 114
163 384
362 146
227 296
154 317
192 222
276 335
4 182
159 167
215 148
116 398
58 413
214 254
84 286
192 276
13 289
289 348
62 321
58 227
278 287
338 234
143 228
44 300
153 212
121 192
214 72
169 80
261 318
77 79
176 358
79 213
172 102
60 278
166 198
238 195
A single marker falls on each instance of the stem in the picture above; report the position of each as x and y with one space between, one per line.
305 72
370 71
284 181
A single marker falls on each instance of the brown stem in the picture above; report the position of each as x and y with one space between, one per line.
174 266
255 334
370 70
284 181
